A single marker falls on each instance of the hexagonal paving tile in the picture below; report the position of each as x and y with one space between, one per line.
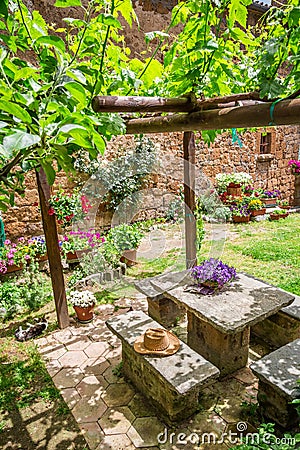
53 351
144 431
140 407
92 434
63 336
69 377
115 442
71 396
118 394
72 358
96 349
95 366
91 387
110 375
78 343
116 420
86 411
53 367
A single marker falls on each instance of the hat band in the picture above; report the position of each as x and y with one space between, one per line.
158 349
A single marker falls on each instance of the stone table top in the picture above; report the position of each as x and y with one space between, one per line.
281 368
183 370
146 287
246 301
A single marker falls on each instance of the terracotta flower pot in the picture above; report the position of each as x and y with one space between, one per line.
277 216
269 201
258 212
13 268
129 257
84 314
239 219
75 256
234 190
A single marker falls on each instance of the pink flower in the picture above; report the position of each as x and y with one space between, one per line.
27 257
51 211
7 242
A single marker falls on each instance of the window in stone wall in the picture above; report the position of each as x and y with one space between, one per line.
266 142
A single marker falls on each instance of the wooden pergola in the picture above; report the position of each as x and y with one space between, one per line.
185 114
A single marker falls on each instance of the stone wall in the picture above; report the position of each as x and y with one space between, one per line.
223 156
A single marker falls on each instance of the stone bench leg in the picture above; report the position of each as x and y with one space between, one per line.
278 329
164 311
166 400
229 352
276 405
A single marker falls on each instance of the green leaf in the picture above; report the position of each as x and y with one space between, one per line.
75 22
54 41
99 142
19 140
15 110
25 73
3 8
109 20
69 127
127 11
77 91
49 171
67 3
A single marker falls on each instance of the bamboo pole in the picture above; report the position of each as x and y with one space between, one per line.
189 199
51 237
286 112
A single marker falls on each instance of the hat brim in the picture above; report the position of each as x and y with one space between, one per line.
173 347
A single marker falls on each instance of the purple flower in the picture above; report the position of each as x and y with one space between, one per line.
214 271
27 257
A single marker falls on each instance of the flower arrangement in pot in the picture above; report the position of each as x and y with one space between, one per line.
83 303
212 275
232 180
68 207
294 165
256 207
14 255
76 243
269 197
240 213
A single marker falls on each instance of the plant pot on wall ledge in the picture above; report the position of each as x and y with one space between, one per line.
269 201
258 212
241 219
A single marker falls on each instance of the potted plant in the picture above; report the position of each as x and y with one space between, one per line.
83 303
40 248
240 213
126 239
269 197
212 275
77 243
283 204
294 165
232 182
14 255
68 207
256 207
278 214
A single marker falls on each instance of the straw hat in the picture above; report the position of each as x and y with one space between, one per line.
157 341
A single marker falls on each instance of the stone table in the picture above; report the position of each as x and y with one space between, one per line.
219 324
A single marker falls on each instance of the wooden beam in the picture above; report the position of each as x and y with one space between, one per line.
189 199
51 237
159 104
286 112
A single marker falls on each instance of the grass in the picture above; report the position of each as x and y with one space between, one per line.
268 250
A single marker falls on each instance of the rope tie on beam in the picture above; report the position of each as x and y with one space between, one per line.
272 107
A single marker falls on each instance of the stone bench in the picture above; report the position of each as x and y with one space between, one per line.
172 384
282 327
278 374
160 308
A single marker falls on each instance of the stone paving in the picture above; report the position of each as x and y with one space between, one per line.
84 362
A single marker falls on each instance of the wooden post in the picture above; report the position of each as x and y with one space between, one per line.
189 199
51 237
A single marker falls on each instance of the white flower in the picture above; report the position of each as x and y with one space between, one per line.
81 298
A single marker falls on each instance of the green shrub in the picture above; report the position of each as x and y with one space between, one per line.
29 291
265 439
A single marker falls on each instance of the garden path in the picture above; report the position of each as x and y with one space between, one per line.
83 361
